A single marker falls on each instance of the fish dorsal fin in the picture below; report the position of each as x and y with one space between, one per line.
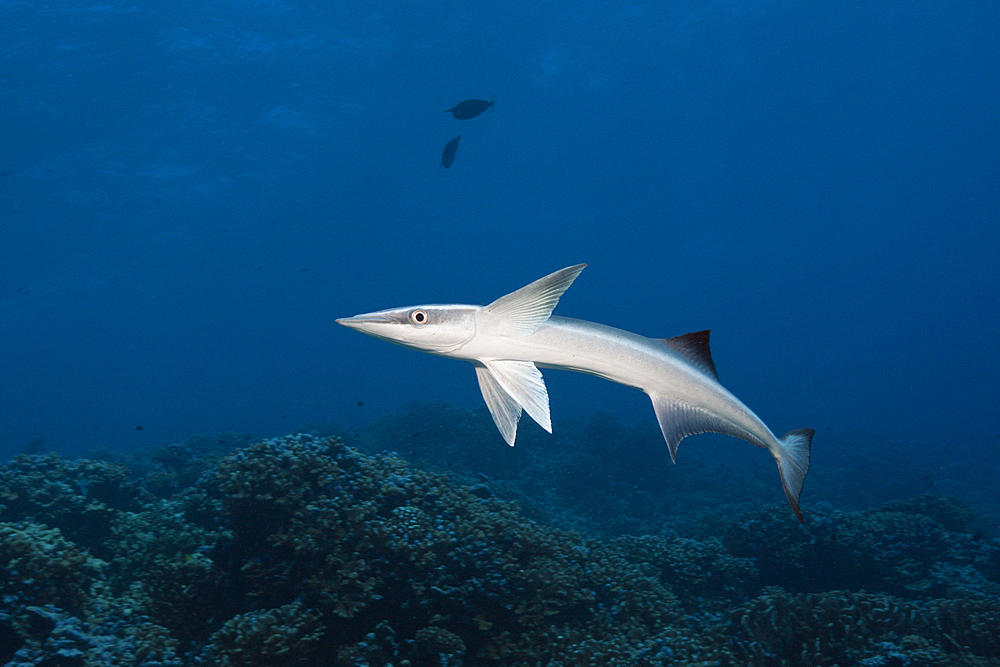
694 348
521 312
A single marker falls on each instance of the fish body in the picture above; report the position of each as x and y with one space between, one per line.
448 155
508 340
469 109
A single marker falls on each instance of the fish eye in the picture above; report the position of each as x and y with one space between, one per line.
418 316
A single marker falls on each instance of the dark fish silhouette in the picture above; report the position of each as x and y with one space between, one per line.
469 109
448 156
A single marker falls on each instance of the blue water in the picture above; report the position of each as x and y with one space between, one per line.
192 193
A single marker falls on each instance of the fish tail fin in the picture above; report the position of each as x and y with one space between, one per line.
793 464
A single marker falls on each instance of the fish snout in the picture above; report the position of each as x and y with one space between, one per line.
360 321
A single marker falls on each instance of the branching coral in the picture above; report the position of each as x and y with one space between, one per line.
841 627
368 537
889 551
280 637
79 497
38 566
693 568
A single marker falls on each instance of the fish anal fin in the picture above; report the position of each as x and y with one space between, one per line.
679 420
694 347
521 312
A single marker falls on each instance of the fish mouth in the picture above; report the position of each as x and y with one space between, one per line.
361 320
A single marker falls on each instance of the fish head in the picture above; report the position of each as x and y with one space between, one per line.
437 329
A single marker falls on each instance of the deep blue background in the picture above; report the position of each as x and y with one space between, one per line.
193 192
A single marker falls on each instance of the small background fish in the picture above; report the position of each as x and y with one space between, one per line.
448 155
469 109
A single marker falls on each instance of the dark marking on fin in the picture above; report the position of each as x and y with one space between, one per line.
694 347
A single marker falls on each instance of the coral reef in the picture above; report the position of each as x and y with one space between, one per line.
842 627
303 551
284 636
429 549
895 549
40 567
78 497
694 569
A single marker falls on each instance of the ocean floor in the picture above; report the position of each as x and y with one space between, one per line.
423 540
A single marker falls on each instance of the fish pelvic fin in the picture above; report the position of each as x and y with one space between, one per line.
793 464
521 312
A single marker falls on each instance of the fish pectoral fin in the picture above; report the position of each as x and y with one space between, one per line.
505 410
523 382
521 312
679 420
517 381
